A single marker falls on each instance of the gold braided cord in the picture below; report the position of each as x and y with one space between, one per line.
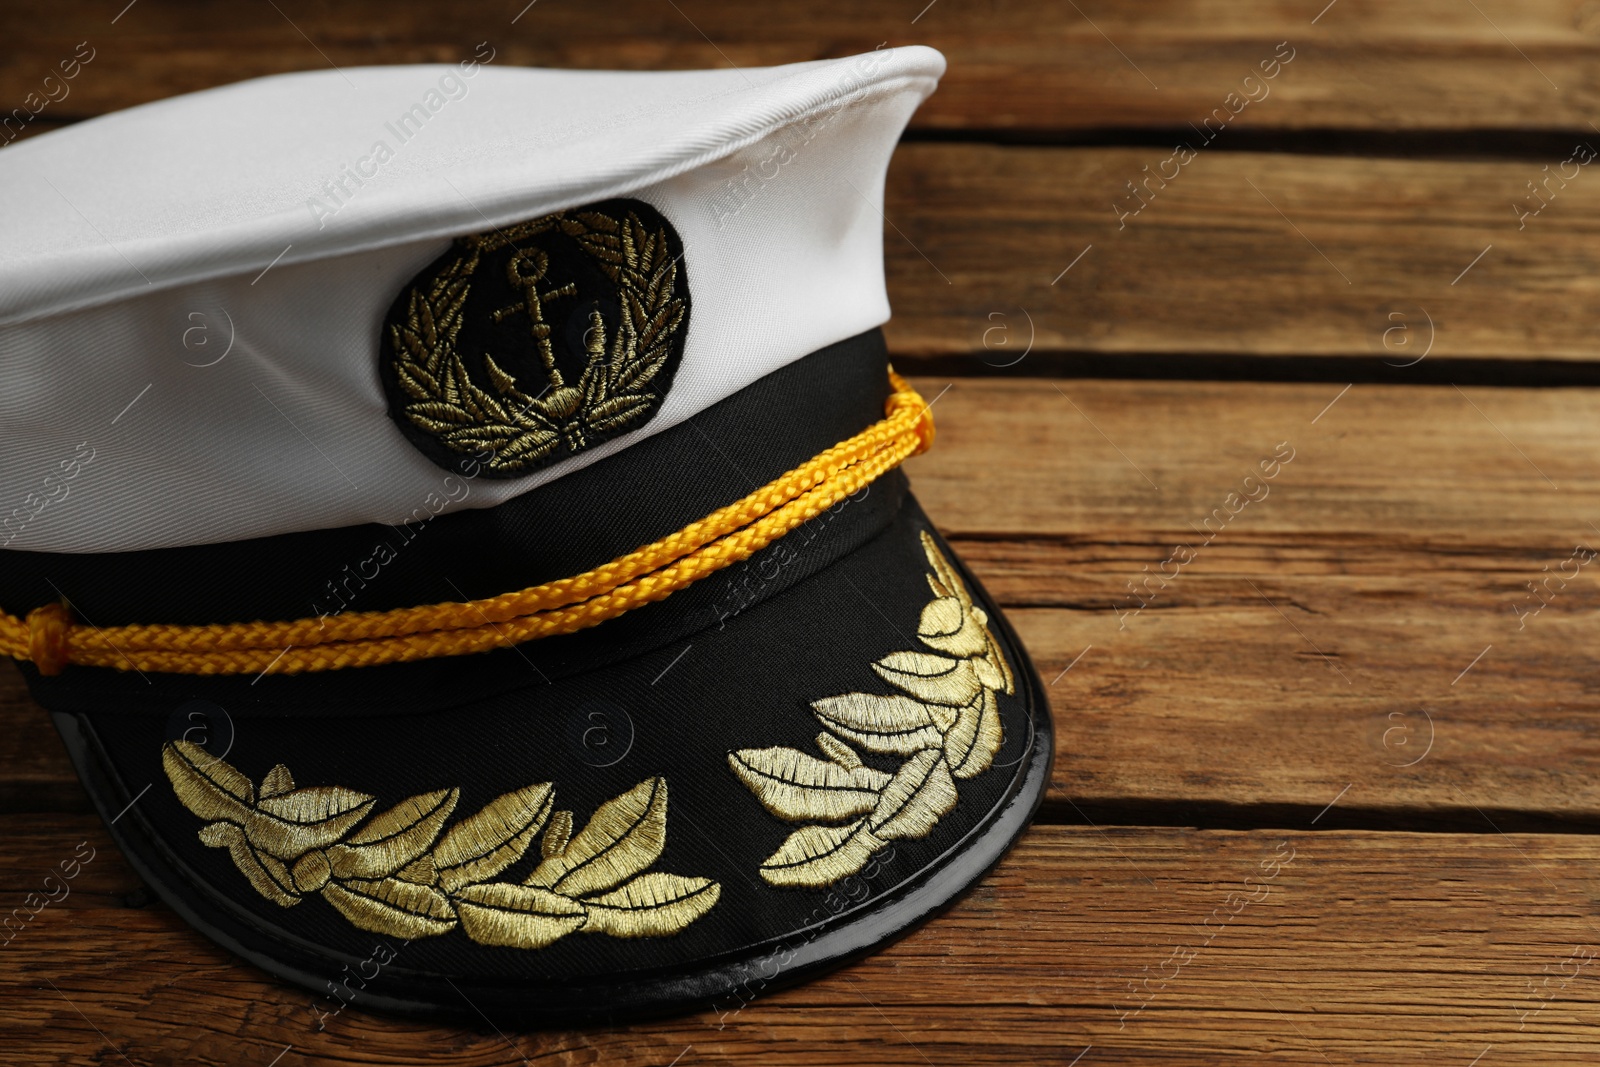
50 638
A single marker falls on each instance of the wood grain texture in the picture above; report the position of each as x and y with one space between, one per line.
35 775
1317 641
1022 65
1324 635
1414 467
1352 656
1239 253
1148 944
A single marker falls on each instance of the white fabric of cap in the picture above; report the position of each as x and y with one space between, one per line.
192 291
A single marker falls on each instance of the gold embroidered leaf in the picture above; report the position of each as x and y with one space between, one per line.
556 838
618 411
600 235
838 751
277 782
940 616
417 383
989 676
993 670
208 787
889 725
998 661
274 868
269 877
815 856
440 417
502 381
420 870
528 444
516 916
311 872
652 905
293 823
970 744
484 406
625 836
795 786
392 839
639 374
930 678
314 804
391 906
421 810
944 575
920 794
408 340
482 845
946 626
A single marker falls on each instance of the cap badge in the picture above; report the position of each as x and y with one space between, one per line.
534 342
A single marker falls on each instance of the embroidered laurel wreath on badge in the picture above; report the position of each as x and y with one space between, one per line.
945 723
537 341
397 875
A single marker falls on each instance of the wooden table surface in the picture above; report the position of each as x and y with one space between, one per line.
1377 682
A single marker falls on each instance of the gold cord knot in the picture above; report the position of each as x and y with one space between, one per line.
903 399
48 627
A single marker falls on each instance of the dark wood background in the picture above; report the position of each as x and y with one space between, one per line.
1350 683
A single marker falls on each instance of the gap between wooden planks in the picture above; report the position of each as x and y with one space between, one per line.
1357 626
1030 65
1145 943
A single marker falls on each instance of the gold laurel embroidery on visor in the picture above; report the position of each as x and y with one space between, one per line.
397 875
945 722
515 427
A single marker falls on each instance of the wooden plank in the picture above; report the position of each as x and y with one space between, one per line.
1023 65
1324 635
990 248
1320 639
1422 468
35 774
1148 944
